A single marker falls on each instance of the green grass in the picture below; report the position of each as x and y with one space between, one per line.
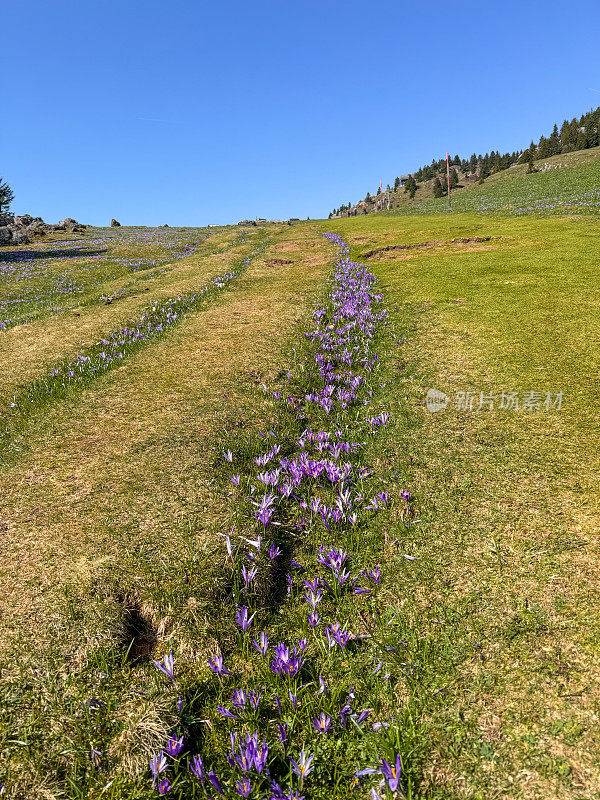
507 502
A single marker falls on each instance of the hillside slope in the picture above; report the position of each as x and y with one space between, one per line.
564 184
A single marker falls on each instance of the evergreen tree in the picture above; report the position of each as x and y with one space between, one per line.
453 178
410 186
582 141
554 142
378 191
593 129
6 195
544 148
438 189
368 198
396 184
531 164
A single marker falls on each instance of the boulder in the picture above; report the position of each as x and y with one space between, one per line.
24 220
39 228
22 229
115 224
70 224
12 234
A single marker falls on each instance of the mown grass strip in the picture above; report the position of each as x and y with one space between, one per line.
109 352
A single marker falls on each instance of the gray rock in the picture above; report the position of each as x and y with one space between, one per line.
115 224
22 229
25 220
71 224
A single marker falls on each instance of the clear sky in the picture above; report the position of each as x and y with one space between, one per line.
189 112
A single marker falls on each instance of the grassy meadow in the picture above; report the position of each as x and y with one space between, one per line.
469 635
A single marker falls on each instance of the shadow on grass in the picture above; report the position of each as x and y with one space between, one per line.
35 255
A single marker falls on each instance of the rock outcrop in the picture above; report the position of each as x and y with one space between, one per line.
22 229
115 224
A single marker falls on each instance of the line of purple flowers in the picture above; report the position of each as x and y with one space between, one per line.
341 337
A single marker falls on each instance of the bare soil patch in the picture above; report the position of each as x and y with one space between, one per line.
425 245
297 244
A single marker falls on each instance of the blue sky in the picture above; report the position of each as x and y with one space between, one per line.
190 113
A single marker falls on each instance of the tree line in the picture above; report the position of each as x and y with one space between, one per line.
577 134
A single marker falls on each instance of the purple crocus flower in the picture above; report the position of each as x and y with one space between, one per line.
282 732
158 763
264 516
239 698
313 598
260 756
248 575
242 618
391 772
302 767
274 551
344 712
215 781
164 786
225 713
322 723
166 666
313 585
375 575
336 635
263 643
228 456
322 686
235 479
174 746
254 699
243 788
197 768
217 666
313 618
286 661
